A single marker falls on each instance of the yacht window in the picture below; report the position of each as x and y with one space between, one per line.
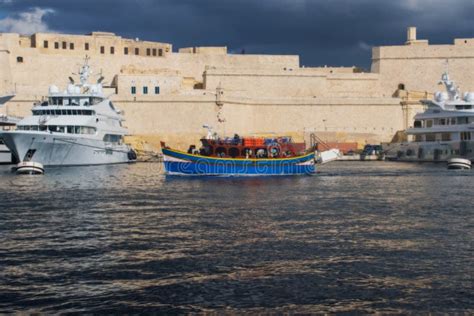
69 112
442 121
446 137
77 129
61 129
52 128
134 90
74 112
34 127
418 138
57 112
429 123
453 121
42 128
417 124
430 137
64 112
70 129
462 120
466 136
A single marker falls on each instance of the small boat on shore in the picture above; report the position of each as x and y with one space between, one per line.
241 156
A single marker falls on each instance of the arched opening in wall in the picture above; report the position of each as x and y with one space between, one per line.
234 152
19 59
221 152
401 86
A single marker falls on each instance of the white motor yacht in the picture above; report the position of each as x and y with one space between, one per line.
443 131
79 126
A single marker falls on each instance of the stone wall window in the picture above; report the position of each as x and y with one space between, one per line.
125 50
133 90
145 90
71 46
148 52
102 50
64 45
154 52
157 90
19 59
160 52
45 44
112 50
137 51
56 45
86 46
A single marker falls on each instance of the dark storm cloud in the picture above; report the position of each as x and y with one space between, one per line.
333 32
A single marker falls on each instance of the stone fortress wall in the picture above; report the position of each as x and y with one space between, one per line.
175 93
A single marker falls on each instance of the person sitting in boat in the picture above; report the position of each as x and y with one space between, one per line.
236 139
261 153
191 149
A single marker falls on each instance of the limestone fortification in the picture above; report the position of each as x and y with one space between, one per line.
169 95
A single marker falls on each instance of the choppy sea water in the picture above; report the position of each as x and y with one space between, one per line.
356 237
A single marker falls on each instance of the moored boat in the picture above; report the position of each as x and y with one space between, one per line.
241 156
443 131
77 126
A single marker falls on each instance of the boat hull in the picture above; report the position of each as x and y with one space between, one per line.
429 152
180 163
62 150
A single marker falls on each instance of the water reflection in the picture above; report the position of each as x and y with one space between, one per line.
357 237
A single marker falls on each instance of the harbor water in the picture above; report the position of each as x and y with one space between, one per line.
356 237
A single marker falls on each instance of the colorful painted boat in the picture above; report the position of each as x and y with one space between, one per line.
239 157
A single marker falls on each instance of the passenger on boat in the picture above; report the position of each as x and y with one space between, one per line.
236 140
261 153
191 149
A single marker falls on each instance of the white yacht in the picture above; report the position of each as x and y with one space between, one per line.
443 131
79 126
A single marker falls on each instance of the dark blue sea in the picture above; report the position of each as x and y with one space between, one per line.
355 238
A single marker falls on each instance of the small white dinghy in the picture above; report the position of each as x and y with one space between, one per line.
459 163
29 167
323 157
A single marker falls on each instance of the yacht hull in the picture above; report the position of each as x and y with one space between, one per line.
429 152
52 149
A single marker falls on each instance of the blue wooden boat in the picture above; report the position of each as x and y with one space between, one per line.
240 157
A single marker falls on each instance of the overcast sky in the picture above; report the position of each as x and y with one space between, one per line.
322 32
